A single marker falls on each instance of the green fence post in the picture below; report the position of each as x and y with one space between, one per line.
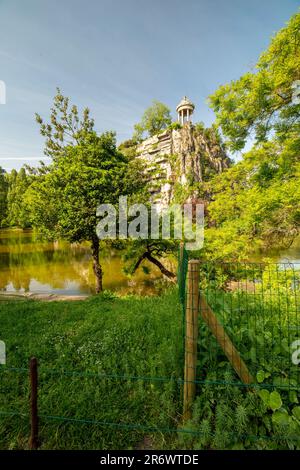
191 337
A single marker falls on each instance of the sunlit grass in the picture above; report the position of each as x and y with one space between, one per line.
140 337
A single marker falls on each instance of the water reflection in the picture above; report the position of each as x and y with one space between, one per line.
289 255
28 264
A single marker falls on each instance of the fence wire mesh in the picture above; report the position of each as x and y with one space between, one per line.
249 323
242 353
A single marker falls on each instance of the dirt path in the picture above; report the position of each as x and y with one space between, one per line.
41 297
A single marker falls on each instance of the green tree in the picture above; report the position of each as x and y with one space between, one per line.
63 201
86 170
156 118
261 103
3 197
256 203
17 212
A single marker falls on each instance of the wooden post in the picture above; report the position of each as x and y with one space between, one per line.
191 337
34 437
225 342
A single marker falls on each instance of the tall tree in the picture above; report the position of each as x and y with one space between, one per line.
17 212
3 197
86 170
255 204
156 118
63 201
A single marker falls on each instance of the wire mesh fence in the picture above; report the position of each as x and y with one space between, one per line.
249 321
86 409
242 349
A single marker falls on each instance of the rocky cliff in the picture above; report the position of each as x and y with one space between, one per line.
185 155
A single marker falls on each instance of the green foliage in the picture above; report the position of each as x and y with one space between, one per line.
261 318
261 314
3 197
174 126
17 210
63 202
230 418
128 148
66 127
156 118
261 101
271 399
255 204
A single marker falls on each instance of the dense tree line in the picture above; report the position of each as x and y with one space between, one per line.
13 210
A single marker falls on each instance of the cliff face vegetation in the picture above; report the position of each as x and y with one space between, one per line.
182 156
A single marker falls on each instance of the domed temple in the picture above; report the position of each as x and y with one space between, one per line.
185 110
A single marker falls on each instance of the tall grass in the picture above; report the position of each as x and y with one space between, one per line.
121 337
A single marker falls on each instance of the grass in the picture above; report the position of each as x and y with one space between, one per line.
140 337
77 343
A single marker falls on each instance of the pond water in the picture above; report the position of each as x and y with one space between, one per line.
28 264
288 255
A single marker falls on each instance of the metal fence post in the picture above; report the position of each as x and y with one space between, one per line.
191 337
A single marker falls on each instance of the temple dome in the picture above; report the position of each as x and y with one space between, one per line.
185 103
184 110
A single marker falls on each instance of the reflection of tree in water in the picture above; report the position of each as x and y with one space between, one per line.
30 263
16 237
50 264
20 279
4 260
46 268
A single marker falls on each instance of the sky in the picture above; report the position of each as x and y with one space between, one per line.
116 56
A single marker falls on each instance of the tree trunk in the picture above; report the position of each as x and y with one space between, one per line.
147 255
96 265
162 268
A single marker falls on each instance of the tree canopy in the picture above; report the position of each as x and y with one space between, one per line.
17 211
256 203
156 118
66 127
3 197
261 102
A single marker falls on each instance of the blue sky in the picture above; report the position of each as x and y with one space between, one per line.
116 56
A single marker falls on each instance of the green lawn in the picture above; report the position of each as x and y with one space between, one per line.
140 337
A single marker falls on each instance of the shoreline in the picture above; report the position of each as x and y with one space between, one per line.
42 297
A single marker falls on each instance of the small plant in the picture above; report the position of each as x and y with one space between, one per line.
174 126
